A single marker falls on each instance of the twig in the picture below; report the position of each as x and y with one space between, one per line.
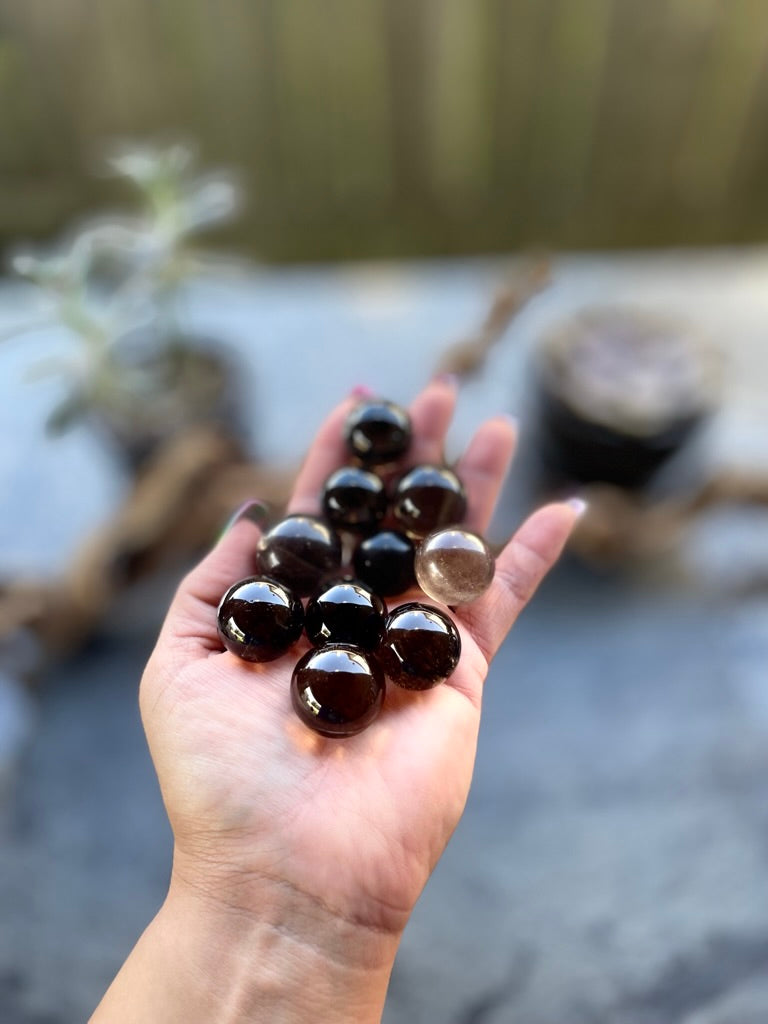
468 355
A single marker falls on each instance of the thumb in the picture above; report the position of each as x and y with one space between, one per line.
191 617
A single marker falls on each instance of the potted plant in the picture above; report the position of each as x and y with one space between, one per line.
135 371
619 392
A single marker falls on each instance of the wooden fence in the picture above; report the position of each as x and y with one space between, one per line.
372 127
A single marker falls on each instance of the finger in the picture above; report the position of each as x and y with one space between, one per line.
484 466
520 568
326 453
431 412
192 614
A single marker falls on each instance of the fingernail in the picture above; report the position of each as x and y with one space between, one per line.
361 391
513 421
578 505
254 509
450 380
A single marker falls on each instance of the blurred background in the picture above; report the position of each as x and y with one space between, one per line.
389 128
560 202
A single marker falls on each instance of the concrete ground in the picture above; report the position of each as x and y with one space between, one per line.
611 866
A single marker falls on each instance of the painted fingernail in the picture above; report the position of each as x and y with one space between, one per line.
450 380
578 505
255 510
361 391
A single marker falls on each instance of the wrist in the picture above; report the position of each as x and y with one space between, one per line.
284 958
252 950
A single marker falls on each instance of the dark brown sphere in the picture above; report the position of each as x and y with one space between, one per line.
354 499
421 647
337 690
346 611
259 619
385 561
299 551
427 497
378 432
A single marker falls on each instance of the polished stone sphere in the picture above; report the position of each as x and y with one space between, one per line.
427 497
345 611
354 499
378 432
336 690
454 566
259 619
421 647
385 562
299 551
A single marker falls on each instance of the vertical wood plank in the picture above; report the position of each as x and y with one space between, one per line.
689 31
304 100
360 131
630 106
459 99
406 40
564 106
715 135
520 32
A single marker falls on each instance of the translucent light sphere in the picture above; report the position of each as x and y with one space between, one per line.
454 566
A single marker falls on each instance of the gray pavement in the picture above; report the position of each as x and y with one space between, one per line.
611 866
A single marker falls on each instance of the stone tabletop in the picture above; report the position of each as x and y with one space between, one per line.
612 864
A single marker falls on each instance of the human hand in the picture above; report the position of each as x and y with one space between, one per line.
294 849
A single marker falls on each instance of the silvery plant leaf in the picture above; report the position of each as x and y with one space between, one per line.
144 164
49 268
211 200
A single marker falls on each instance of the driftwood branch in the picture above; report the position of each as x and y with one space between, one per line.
175 510
621 526
468 355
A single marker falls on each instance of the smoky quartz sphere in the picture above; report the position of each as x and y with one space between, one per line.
346 611
421 647
385 562
427 497
259 619
354 499
299 551
336 690
454 566
378 432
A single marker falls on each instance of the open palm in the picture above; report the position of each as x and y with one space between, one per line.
353 826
